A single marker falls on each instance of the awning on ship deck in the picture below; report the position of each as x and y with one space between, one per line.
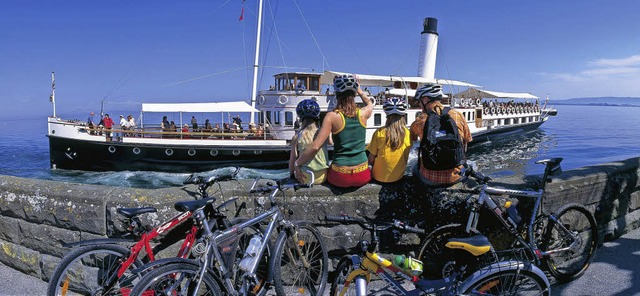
384 81
479 93
239 106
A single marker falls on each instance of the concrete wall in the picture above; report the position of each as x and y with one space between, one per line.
37 216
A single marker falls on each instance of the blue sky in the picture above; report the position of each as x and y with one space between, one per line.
195 51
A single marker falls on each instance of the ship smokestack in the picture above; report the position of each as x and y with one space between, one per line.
428 49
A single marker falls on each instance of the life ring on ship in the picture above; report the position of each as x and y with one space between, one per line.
112 149
485 111
261 100
510 110
213 152
502 110
236 152
191 152
478 102
136 150
283 100
493 110
257 152
168 152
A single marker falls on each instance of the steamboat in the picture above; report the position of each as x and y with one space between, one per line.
265 141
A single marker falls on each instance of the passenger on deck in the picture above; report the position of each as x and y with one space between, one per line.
165 125
194 123
309 112
108 124
185 131
90 124
347 123
390 145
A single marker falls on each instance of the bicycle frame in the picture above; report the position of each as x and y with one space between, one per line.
485 199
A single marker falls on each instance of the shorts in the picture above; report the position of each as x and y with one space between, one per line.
341 177
319 176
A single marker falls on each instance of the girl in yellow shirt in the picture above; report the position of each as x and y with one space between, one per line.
390 145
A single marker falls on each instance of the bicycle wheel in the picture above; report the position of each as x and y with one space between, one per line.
176 279
509 282
570 264
92 270
262 274
438 261
300 262
344 268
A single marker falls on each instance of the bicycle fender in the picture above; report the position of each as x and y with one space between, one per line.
502 266
98 241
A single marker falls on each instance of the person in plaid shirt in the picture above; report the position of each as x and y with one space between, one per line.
429 97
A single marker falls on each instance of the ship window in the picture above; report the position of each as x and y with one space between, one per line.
314 83
288 118
276 117
377 119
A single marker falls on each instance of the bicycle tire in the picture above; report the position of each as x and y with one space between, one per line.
512 281
290 277
262 274
436 258
343 269
84 270
569 265
168 280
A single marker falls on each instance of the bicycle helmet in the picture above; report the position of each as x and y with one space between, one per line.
308 109
345 82
395 106
431 90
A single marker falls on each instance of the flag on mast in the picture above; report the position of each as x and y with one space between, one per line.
241 18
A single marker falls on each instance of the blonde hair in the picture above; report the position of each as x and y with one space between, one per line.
346 103
395 130
308 129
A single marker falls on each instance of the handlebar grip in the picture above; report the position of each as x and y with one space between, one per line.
337 218
415 229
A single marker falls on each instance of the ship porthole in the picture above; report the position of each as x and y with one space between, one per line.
261 100
213 152
168 152
136 150
191 152
283 100
257 152
112 149
236 152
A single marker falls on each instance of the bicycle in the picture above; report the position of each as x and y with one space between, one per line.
104 266
563 243
354 272
297 265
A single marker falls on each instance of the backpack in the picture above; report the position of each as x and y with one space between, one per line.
440 146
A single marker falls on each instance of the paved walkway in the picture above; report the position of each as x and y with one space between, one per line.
615 271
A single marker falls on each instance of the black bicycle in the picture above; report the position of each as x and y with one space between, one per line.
564 242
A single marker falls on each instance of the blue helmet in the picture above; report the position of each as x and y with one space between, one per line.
308 109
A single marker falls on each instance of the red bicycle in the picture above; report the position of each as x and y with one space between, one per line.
105 266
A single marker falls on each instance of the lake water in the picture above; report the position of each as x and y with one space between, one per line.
582 135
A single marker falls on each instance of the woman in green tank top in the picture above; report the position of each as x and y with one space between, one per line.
347 123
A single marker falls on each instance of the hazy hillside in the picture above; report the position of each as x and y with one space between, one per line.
609 101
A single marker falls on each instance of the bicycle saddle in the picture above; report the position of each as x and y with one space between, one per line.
132 212
192 205
476 245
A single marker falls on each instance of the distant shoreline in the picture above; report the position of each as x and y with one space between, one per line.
595 104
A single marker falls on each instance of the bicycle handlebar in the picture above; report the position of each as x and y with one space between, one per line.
370 225
200 180
478 176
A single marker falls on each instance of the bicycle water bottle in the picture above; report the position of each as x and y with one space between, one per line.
409 264
512 213
250 253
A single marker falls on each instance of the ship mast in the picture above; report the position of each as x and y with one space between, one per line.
52 98
254 89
